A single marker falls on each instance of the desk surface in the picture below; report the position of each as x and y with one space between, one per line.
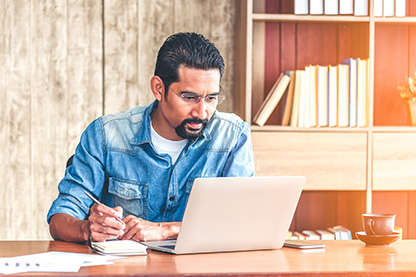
348 258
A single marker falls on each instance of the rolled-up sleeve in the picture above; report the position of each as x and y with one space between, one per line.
85 173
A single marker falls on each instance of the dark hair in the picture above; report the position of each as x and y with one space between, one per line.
190 50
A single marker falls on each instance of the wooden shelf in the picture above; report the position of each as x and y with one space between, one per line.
307 18
359 165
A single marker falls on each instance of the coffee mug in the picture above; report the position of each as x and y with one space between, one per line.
378 224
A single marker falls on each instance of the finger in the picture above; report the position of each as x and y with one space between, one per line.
105 210
105 221
106 230
119 211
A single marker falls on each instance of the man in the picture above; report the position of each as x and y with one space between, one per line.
141 163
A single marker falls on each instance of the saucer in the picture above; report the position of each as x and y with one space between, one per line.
378 240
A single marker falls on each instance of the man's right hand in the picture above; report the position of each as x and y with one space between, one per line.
103 224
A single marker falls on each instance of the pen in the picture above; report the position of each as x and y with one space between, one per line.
98 202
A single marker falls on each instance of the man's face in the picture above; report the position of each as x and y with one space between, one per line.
183 119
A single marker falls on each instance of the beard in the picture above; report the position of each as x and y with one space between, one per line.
189 133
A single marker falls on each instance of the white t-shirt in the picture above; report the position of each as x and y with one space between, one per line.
165 146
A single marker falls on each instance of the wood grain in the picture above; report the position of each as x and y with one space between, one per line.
15 114
64 63
394 161
389 108
330 161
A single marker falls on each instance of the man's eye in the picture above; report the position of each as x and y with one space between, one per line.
189 97
211 98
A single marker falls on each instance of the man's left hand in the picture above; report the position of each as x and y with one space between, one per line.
142 230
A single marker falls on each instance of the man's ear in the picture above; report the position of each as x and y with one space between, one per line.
158 88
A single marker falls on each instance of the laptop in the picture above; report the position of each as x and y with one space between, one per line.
236 214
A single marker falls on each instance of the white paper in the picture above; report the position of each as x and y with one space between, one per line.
54 261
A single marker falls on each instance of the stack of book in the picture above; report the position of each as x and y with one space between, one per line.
321 96
333 233
332 7
350 7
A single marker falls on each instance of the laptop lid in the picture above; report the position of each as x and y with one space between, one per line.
237 213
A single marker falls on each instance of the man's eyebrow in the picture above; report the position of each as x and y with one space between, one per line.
197 94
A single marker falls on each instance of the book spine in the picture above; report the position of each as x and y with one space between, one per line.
361 7
400 8
388 8
346 7
301 7
313 103
316 7
322 96
333 95
331 7
378 8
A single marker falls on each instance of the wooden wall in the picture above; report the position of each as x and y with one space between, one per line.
65 62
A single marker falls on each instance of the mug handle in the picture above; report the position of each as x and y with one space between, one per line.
370 224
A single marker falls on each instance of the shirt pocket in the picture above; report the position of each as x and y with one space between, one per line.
130 195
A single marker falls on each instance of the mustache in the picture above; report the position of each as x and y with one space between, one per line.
195 120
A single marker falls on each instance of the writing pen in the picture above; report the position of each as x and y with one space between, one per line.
98 202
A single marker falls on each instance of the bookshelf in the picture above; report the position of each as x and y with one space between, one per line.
349 171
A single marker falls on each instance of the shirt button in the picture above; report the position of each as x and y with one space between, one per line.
171 198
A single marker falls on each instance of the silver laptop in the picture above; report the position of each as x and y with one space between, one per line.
236 214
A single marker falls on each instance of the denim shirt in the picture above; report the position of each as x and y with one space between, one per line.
116 161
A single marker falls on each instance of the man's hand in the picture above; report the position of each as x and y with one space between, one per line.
141 230
103 223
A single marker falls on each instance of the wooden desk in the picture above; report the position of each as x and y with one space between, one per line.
342 258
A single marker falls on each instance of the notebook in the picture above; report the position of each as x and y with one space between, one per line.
236 214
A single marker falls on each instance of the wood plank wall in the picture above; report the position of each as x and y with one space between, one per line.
65 62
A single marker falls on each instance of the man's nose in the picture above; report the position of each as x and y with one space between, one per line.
200 109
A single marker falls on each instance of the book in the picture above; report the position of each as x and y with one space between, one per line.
119 247
378 7
272 99
331 7
299 235
353 91
362 92
289 99
332 96
306 96
294 117
311 235
388 8
301 7
325 235
322 88
400 10
301 116
343 94
346 7
337 233
344 233
313 97
361 7
316 7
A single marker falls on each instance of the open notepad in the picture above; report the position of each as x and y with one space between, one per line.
119 247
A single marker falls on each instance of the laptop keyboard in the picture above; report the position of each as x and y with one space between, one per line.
169 246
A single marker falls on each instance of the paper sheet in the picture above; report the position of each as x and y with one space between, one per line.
52 262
